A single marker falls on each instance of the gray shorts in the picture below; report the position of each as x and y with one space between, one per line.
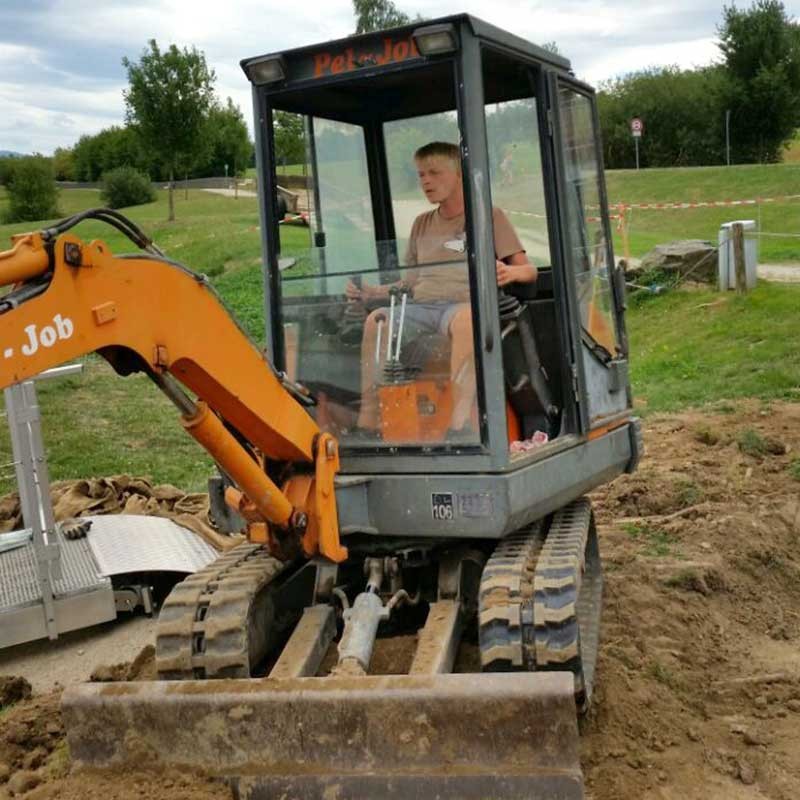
425 317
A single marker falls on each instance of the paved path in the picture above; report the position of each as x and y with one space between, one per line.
232 193
780 273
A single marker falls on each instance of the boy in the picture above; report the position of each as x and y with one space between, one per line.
441 293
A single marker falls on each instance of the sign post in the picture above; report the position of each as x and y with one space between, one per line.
637 129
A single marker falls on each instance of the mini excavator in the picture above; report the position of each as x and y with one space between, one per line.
483 545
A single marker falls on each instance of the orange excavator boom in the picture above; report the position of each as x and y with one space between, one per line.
146 313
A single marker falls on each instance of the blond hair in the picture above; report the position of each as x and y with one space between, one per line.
440 149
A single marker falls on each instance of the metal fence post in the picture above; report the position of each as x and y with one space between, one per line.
738 258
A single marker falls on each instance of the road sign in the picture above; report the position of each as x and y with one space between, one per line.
637 128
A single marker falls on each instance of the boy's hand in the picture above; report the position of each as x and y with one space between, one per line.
352 292
515 273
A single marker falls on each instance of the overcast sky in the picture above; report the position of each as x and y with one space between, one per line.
60 60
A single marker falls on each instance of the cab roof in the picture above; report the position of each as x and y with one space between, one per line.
479 28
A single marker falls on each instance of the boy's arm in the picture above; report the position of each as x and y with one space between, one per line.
512 265
515 269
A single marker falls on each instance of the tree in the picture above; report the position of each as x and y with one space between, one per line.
111 148
6 168
375 15
228 142
683 113
64 164
168 99
289 138
32 192
761 46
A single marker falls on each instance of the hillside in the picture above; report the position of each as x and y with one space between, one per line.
773 189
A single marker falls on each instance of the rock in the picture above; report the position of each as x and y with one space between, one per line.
738 729
774 447
13 689
53 728
793 705
16 734
693 734
760 702
693 258
35 758
747 774
23 781
753 738
5 772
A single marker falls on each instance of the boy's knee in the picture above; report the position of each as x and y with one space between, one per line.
461 322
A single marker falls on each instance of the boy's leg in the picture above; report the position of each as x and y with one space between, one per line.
368 413
462 366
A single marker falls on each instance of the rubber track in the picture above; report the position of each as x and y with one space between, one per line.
540 599
568 596
505 601
205 625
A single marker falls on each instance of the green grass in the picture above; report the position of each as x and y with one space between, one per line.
654 542
691 348
751 443
283 169
212 233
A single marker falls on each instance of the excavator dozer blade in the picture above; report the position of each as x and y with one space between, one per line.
487 736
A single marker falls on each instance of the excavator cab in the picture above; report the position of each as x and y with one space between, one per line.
530 371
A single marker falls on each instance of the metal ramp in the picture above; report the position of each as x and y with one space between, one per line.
81 596
50 584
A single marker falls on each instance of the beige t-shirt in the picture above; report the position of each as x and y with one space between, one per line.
434 238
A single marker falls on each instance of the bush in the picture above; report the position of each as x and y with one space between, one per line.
126 186
32 192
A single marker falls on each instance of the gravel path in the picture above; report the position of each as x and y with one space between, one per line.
73 656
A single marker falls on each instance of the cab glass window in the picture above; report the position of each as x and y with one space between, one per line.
590 254
376 308
515 164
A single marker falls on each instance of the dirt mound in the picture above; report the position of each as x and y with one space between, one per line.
13 689
699 677
142 668
34 762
